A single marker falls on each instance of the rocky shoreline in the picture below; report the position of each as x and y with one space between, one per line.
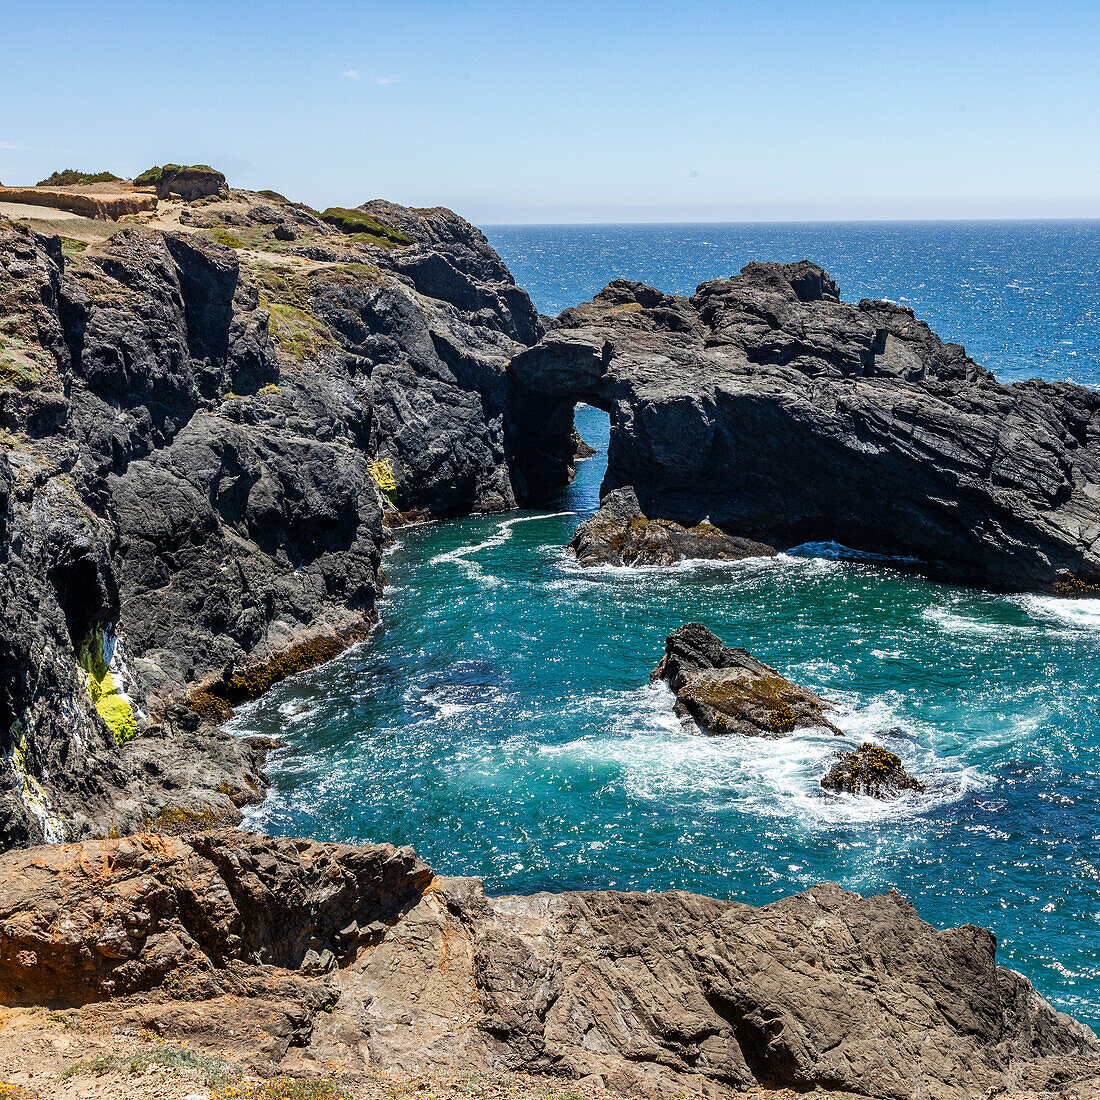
288 954
212 414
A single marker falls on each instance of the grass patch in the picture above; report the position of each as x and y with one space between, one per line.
16 375
175 820
297 331
69 177
223 236
364 228
214 1072
71 247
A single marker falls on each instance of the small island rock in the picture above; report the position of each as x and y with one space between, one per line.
727 690
870 770
619 534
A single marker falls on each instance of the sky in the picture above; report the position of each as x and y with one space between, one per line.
601 111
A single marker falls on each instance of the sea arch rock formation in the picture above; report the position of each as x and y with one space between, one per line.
782 414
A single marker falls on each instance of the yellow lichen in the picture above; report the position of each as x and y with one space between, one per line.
382 472
107 695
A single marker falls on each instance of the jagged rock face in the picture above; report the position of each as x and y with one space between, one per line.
619 534
720 689
80 923
870 770
200 443
661 995
787 415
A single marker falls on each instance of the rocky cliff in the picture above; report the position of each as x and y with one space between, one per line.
291 953
203 421
773 410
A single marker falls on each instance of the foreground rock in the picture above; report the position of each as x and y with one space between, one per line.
870 770
618 534
788 416
223 939
203 423
726 690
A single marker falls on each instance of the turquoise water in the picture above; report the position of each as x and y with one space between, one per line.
501 721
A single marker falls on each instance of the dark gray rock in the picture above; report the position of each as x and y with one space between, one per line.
192 182
721 690
200 453
870 770
618 534
787 416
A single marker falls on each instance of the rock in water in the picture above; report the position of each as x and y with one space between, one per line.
788 416
870 770
618 534
726 690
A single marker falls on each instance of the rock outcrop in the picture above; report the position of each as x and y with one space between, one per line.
196 181
786 416
720 689
202 429
618 534
351 956
870 770
92 203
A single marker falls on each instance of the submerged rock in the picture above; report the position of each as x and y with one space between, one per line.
293 953
789 416
618 534
725 690
870 770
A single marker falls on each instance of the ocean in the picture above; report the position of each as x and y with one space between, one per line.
502 722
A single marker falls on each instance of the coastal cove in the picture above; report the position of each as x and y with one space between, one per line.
500 719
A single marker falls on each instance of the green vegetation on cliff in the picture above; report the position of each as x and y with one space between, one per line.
106 692
70 176
362 227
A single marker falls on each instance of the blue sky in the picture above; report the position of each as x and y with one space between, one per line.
595 111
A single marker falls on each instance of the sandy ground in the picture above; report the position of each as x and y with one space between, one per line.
37 213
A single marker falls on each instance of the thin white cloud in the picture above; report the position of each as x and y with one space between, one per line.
383 80
351 74
10 145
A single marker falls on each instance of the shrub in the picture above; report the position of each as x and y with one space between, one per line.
356 223
223 236
70 176
284 1088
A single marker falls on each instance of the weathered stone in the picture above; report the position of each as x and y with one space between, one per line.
88 204
618 534
201 939
724 690
870 770
788 416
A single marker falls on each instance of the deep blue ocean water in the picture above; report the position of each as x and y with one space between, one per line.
501 720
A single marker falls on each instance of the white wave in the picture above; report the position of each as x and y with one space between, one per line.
461 555
952 622
774 778
1081 613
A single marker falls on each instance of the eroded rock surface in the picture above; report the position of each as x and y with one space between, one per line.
787 416
618 534
199 446
870 770
657 994
720 689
